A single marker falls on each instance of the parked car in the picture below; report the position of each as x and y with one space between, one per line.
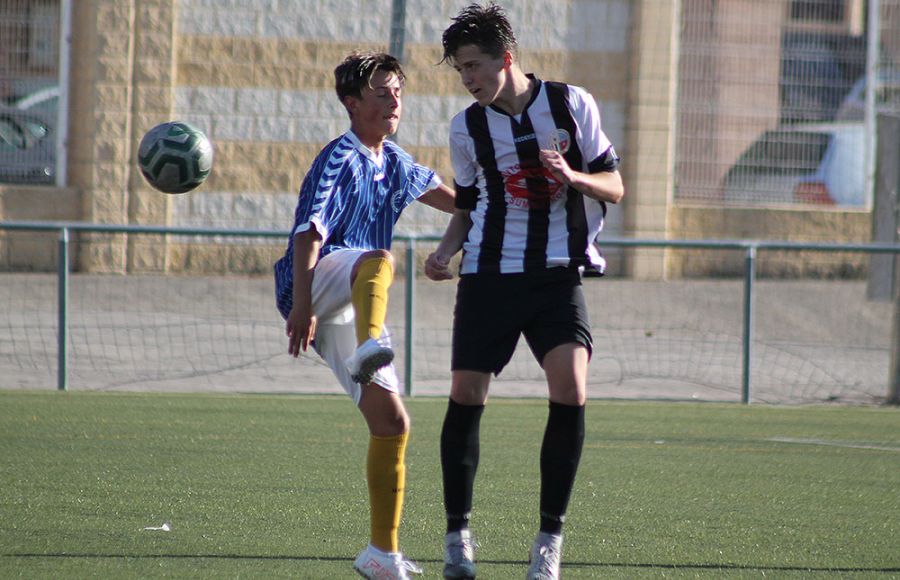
818 163
27 148
44 100
887 97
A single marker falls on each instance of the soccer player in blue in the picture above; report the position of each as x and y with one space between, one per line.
332 283
533 173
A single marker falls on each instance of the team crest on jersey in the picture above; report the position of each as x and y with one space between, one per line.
560 141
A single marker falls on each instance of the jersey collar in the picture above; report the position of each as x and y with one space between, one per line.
378 160
534 95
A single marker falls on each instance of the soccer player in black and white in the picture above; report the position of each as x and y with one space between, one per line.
332 282
533 174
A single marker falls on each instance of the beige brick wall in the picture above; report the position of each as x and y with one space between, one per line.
819 226
650 137
267 101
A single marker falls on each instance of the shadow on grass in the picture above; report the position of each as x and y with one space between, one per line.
749 567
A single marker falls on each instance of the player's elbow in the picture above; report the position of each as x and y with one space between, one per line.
617 194
615 188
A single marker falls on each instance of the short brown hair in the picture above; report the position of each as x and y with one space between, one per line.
483 26
356 71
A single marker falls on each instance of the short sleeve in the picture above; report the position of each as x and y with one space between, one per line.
319 186
595 145
462 157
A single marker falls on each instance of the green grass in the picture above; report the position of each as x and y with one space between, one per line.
274 486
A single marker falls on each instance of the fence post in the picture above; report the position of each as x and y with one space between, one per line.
409 333
893 395
880 284
749 275
62 364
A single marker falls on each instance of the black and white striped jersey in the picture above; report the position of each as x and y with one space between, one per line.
522 218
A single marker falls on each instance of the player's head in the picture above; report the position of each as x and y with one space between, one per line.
483 26
480 45
370 86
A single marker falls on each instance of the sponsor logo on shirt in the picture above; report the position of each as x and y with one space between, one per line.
544 188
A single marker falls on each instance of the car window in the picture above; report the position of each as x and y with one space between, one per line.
783 152
10 135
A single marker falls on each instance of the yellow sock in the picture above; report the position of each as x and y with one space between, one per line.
369 295
386 474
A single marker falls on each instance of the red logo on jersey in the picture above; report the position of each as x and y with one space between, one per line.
530 186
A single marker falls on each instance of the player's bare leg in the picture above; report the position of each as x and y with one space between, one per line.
566 370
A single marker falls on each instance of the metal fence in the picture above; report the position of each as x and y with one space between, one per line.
750 338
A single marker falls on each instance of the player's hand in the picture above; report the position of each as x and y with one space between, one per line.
437 267
557 165
301 330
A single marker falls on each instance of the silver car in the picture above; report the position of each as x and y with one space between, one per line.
27 147
815 163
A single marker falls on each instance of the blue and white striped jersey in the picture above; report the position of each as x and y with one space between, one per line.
353 200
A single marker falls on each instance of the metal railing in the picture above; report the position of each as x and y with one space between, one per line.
750 248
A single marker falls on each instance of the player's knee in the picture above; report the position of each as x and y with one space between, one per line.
374 260
390 425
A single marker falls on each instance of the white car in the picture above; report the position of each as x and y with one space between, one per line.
813 163
887 97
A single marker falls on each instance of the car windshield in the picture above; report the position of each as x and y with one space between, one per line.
783 152
10 135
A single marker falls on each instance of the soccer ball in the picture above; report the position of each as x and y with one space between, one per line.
175 157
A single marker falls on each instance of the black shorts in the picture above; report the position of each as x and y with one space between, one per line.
492 310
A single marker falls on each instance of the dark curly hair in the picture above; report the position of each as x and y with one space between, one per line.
483 26
356 71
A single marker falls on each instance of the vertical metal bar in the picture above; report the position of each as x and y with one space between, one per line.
749 275
410 310
62 365
870 118
62 110
398 29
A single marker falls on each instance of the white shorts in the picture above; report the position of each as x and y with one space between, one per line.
335 339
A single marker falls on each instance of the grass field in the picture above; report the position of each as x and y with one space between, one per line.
274 486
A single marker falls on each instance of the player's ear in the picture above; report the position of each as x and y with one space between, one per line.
507 59
351 103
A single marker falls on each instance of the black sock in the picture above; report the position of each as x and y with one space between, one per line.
560 455
459 461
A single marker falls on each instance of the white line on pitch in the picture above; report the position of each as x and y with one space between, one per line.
831 443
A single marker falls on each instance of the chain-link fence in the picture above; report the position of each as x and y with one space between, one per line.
772 99
29 95
771 333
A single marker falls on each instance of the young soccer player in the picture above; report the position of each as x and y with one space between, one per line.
332 283
533 173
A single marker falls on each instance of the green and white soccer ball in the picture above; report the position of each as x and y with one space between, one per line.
175 157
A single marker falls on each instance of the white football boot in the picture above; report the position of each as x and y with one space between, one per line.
459 555
545 556
368 358
374 564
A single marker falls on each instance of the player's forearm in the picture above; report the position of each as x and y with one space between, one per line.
306 254
455 234
441 198
604 186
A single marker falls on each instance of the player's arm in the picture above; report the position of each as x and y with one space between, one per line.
301 323
437 265
441 198
603 186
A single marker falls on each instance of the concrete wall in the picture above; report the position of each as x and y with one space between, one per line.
256 76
